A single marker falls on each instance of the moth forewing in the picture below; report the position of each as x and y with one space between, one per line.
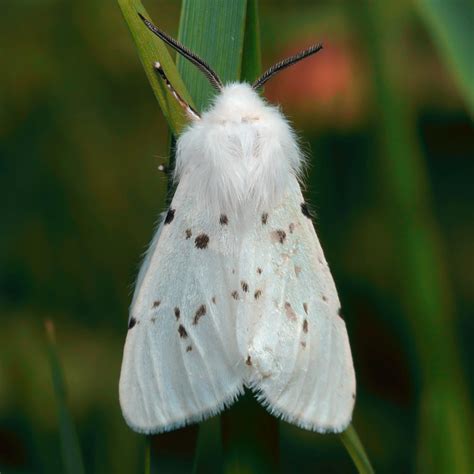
180 364
299 359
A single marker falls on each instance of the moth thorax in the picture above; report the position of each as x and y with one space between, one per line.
241 155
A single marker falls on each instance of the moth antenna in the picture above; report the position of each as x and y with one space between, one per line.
185 52
284 63
190 112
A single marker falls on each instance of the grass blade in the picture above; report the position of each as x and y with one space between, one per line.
451 25
147 469
356 450
70 449
251 59
151 49
221 45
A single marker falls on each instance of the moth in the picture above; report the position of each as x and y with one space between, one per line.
234 291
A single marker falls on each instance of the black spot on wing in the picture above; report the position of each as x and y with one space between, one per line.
188 233
223 220
305 210
249 361
201 241
305 326
200 312
235 295
264 218
169 216
132 323
156 303
245 286
257 294
177 313
189 348
259 270
182 332
279 235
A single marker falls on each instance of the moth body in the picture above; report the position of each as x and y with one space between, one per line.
235 290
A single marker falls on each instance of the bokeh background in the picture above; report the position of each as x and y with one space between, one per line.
391 142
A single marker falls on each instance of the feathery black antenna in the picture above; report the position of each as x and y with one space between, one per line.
286 63
189 55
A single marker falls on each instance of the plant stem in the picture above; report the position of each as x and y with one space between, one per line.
70 449
147 455
356 450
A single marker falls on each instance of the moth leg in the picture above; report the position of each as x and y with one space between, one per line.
190 112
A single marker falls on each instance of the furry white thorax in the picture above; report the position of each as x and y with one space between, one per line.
240 155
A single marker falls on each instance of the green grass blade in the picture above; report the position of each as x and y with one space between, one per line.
356 450
452 27
251 59
214 31
444 428
151 49
70 449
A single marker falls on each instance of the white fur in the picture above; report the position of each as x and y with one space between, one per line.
271 321
241 154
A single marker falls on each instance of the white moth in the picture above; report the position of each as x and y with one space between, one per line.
235 291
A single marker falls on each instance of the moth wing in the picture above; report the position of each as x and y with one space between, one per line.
180 361
289 327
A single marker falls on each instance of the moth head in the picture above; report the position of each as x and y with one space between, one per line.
212 76
238 103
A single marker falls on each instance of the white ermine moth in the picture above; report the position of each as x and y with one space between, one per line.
235 291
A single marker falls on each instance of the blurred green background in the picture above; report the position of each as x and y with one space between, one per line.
384 114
